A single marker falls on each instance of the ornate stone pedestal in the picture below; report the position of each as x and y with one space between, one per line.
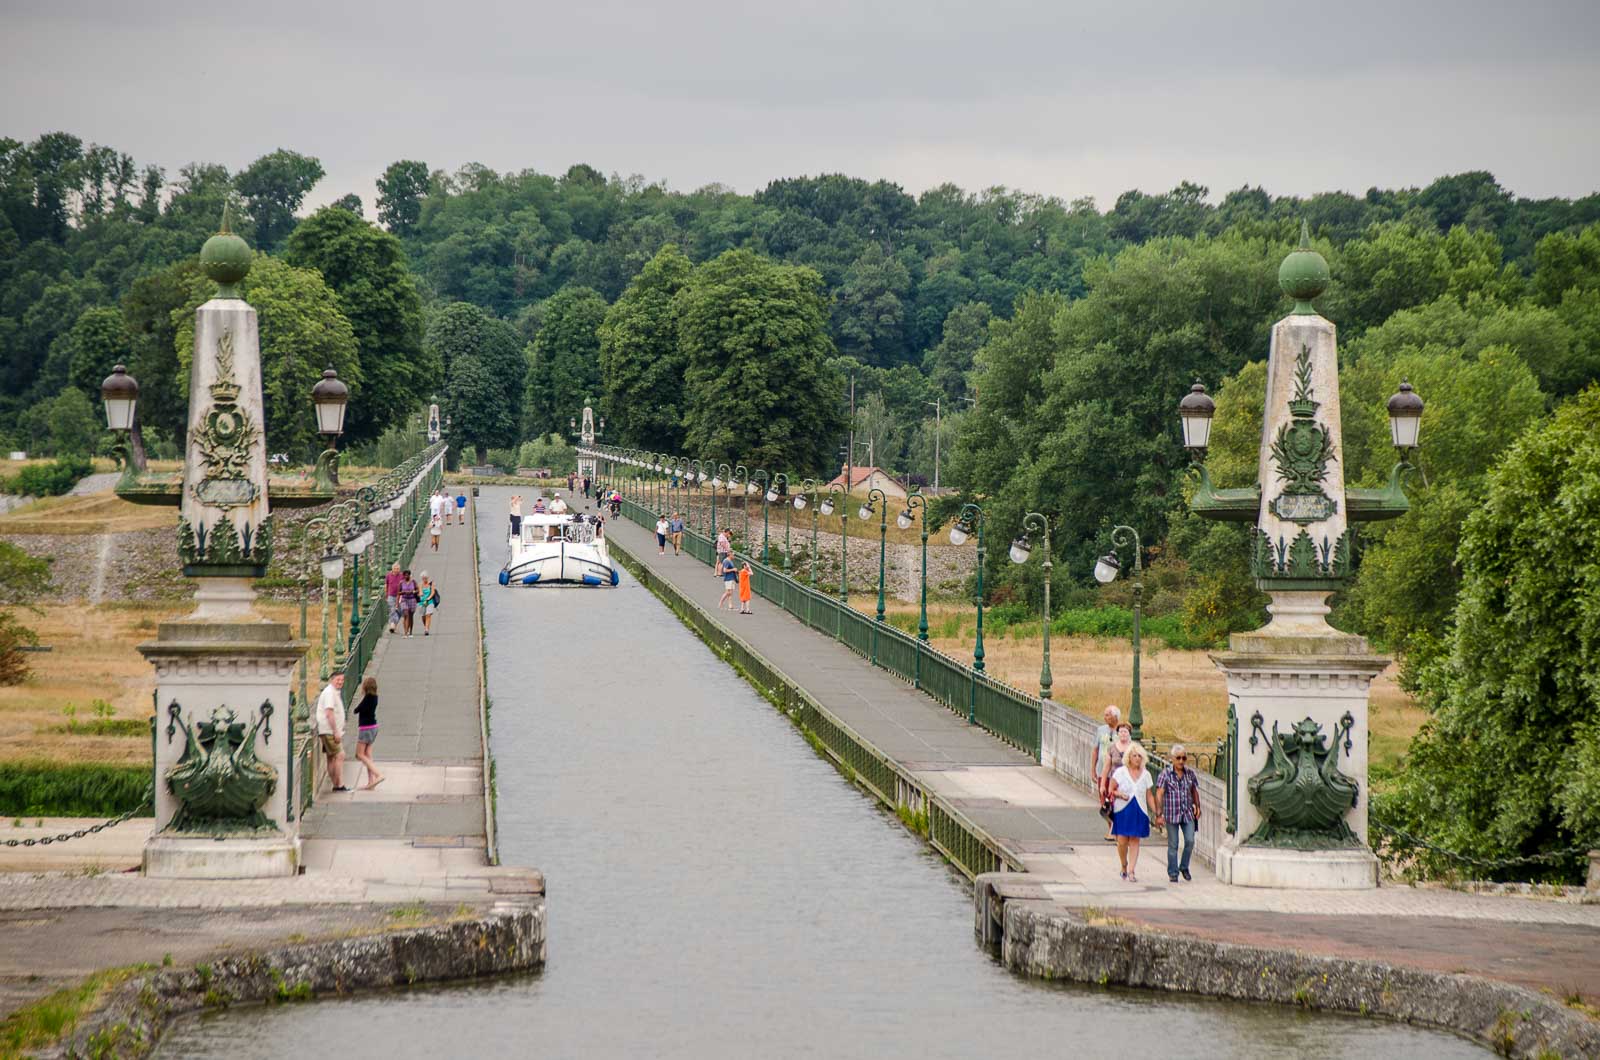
224 801
1304 684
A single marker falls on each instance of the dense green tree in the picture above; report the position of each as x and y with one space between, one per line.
1514 695
302 332
98 342
350 202
366 268
482 400
273 187
400 193
641 361
74 424
966 329
869 310
152 332
564 362
755 343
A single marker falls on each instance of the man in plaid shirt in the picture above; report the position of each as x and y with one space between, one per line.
1178 803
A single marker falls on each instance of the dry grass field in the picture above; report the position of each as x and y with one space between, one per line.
1183 695
94 657
99 513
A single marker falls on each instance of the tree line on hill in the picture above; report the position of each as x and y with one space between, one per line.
1054 338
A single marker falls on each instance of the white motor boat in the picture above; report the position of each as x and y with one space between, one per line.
558 549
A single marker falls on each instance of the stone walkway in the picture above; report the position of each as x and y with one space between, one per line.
424 826
1054 830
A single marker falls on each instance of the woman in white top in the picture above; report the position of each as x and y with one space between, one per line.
1130 821
662 527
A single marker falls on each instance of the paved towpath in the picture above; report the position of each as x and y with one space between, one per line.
1052 828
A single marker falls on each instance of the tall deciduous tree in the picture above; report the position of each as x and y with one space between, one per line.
482 398
754 338
1517 684
400 193
273 187
565 360
302 332
869 310
966 329
366 268
641 361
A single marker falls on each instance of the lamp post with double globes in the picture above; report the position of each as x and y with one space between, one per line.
877 501
1298 689
916 502
777 493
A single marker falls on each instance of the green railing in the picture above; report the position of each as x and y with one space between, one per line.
363 640
1006 712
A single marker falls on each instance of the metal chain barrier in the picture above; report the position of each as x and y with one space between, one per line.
144 803
1549 857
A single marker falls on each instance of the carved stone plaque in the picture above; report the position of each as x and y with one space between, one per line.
226 492
1303 507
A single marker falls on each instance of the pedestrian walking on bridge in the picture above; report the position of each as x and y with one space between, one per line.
744 589
730 581
1178 810
367 731
675 526
330 728
1131 820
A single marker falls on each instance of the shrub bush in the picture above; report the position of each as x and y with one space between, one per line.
49 480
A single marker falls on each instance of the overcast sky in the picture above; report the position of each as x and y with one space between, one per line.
1060 97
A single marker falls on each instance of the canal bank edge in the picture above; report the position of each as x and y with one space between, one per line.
129 1021
964 844
491 840
1043 940
1060 944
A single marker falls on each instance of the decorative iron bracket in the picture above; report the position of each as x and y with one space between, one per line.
266 721
174 715
1386 502
1257 724
1231 505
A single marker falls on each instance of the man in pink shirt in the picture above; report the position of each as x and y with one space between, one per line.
391 589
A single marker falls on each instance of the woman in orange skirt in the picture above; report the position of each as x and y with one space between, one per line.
744 590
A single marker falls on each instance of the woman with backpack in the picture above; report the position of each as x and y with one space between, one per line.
427 602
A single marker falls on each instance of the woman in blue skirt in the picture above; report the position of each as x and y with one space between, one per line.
1130 819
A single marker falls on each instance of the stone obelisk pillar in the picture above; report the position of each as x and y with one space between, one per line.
1298 687
224 799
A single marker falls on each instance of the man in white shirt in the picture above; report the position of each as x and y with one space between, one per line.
329 714
436 504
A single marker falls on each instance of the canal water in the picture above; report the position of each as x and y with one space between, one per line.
717 890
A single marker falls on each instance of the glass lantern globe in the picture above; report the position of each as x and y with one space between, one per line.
827 506
330 397
903 520
716 482
1106 568
120 393
865 512
1021 549
799 502
380 513
1405 417
1195 412
332 566
959 534
772 496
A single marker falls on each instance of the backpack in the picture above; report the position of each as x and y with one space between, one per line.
438 597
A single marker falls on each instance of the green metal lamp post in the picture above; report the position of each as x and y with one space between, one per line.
774 496
1105 572
720 473
969 521
696 470
878 501
807 486
1021 549
752 490
741 479
844 543
914 501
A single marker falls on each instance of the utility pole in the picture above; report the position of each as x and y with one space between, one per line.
936 403
850 450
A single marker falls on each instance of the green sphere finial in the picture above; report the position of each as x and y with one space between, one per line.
226 259
1303 274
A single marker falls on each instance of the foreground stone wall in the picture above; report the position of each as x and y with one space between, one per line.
129 1024
1041 939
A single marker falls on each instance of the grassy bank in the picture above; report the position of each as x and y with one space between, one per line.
71 789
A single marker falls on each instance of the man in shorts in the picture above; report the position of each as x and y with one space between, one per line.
330 728
461 508
676 526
